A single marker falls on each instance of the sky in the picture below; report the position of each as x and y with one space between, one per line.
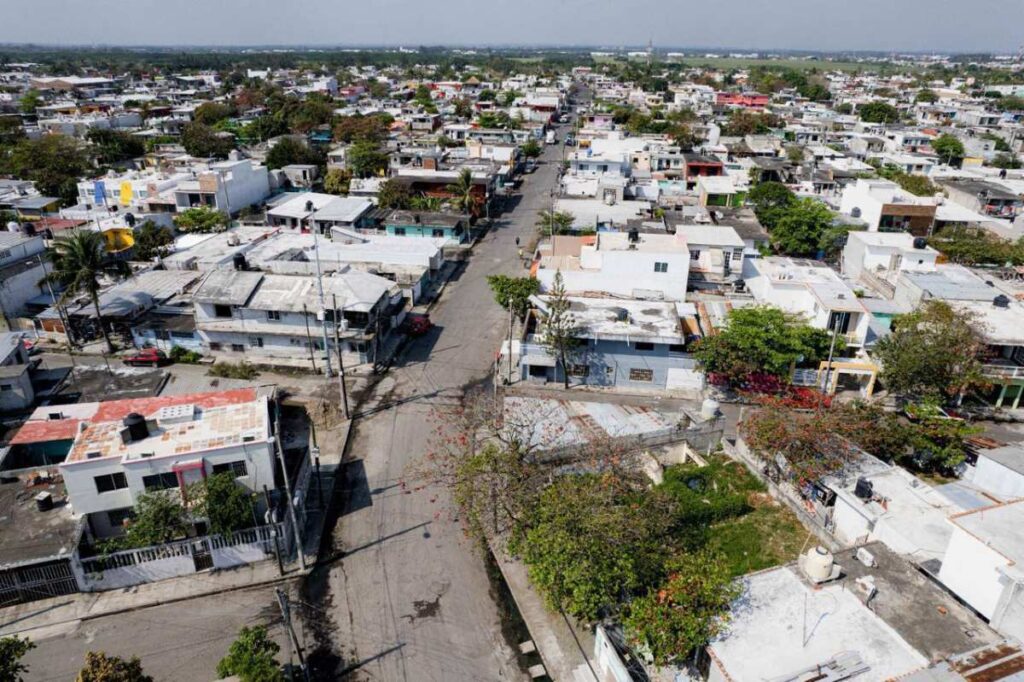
826 25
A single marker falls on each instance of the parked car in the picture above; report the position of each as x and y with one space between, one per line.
416 324
147 357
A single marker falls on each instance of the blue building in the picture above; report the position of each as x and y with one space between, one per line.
450 226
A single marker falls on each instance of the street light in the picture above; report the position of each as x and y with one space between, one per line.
311 210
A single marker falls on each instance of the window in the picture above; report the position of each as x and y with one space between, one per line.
438 233
164 481
273 315
399 231
661 267
644 345
6 387
117 517
637 374
237 468
676 348
579 370
737 255
222 310
238 347
256 341
110 482
214 345
694 254
181 335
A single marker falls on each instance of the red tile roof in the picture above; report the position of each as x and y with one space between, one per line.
46 431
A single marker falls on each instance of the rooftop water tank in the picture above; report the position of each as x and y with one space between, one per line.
709 408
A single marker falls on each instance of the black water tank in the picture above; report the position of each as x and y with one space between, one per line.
44 501
1001 301
920 242
864 489
239 260
136 425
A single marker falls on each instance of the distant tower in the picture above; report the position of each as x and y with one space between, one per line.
650 51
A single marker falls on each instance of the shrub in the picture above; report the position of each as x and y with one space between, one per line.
184 355
230 370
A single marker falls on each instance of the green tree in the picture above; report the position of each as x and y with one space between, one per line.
926 96
201 219
591 541
560 328
225 504
30 101
311 112
463 108
687 611
798 230
555 222
337 181
770 201
761 339
114 146
53 162
949 149
878 112
289 150
202 141
152 241
916 184
1005 160
364 159
102 668
78 261
463 197
531 149
932 353
11 132
12 650
352 128
211 113
394 194
513 290
252 657
158 517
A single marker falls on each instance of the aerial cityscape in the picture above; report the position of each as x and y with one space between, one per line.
581 342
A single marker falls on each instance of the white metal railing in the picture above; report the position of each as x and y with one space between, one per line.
1003 371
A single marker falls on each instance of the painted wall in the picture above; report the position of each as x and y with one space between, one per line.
971 569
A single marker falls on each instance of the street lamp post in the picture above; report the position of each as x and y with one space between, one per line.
311 210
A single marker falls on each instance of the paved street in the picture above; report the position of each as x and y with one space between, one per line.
409 595
180 641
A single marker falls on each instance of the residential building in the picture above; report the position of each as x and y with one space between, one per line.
21 275
453 228
987 198
878 258
324 211
716 253
884 207
16 392
227 186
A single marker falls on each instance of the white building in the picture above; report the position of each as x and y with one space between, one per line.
630 265
227 186
883 205
886 254
809 289
169 443
328 211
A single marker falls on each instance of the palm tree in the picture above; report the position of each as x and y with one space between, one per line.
462 191
425 203
77 264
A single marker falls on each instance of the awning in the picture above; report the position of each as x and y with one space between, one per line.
538 360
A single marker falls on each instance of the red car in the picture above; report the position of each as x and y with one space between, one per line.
146 357
417 324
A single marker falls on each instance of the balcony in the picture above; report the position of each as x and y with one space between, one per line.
1003 372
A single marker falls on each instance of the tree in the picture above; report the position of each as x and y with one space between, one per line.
926 96
770 200
289 150
688 610
795 154
372 128
364 159
555 222
1005 160
463 108
201 219
202 141
12 650
514 291
11 131
798 230
742 122
102 668
211 113
225 504
531 149
252 657
53 162
463 197
683 136
78 261
158 517
114 146
590 541
916 184
30 101
878 112
932 353
337 181
393 194
559 326
761 339
949 149
152 241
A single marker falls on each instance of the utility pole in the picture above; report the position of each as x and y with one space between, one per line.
341 360
510 341
320 288
828 367
309 338
273 530
288 492
293 640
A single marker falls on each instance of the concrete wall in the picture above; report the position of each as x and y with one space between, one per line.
16 393
998 479
609 363
971 570
625 273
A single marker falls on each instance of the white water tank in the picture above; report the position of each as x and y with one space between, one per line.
709 408
818 564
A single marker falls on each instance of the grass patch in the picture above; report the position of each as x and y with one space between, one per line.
228 370
724 507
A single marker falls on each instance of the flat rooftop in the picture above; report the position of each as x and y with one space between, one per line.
27 534
616 319
999 526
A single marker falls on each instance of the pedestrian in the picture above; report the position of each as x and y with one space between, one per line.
517 241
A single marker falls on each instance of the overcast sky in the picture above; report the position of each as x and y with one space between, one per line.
886 25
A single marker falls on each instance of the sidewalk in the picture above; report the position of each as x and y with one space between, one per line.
46 617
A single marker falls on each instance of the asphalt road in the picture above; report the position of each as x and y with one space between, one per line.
180 641
409 595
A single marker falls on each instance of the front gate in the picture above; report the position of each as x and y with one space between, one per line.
38 581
